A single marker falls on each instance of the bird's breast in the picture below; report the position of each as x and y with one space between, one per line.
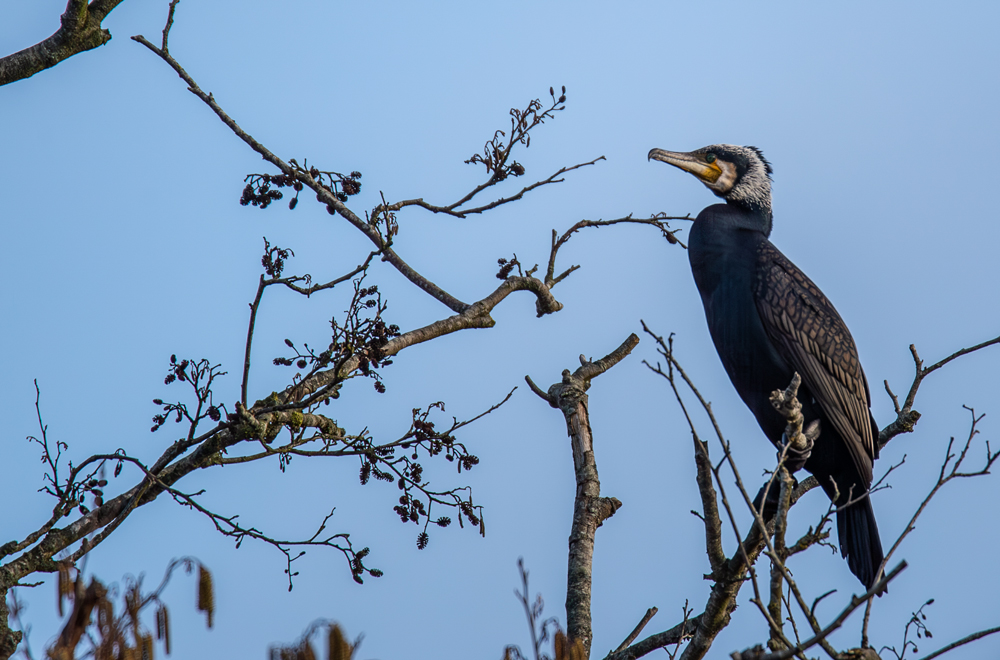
724 264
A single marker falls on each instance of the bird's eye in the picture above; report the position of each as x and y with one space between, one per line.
709 157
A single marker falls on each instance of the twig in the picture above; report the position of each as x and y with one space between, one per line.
533 613
856 602
170 24
289 282
453 210
677 647
650 613
906 417
254 306
682 631
744 560
944 476
324 195
780 551
659 221
965 640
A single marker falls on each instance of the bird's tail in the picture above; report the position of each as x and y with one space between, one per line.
859 541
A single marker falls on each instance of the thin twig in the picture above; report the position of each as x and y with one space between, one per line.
659 221
650 613
856 602
906 417
170 24
965 640
944 476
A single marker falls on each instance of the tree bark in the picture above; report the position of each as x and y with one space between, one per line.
9 639
80 31
590 510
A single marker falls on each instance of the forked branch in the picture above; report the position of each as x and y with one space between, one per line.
906 416
590 509
80 30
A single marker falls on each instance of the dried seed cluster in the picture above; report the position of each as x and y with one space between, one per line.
262 189
200 376
361 334
274 258
507 266
497 150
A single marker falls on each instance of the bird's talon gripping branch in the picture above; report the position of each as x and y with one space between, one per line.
787 404
795 457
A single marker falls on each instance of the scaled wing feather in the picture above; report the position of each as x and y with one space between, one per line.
809 333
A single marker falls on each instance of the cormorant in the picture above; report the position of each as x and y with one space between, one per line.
768 321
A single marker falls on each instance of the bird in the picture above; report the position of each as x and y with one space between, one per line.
768 321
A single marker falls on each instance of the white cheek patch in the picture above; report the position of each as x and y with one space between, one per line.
726 181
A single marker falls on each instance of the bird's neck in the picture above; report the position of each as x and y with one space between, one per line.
753 214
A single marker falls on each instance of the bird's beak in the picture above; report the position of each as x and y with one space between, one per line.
689 162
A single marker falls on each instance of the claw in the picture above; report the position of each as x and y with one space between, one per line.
795 458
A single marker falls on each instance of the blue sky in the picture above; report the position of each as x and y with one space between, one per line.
125 243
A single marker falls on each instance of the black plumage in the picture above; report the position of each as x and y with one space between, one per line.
768 321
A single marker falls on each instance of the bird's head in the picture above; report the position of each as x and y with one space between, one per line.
740 175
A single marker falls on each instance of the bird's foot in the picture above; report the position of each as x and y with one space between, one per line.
799 451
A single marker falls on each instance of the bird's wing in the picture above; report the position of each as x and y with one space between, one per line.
809 333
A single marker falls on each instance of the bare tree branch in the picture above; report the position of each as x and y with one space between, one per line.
463 213
650 613
590 510
944 476
676 635
659 221
728 574
965 640
906 416
496 157
323 193
706 489
291 283
80 30
856 602
785 402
